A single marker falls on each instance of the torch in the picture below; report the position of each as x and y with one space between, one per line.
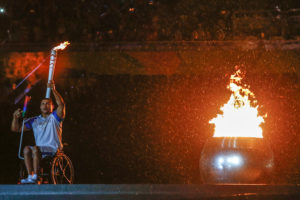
53 55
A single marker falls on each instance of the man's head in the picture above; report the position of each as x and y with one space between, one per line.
46 106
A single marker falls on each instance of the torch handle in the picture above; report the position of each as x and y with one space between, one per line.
51 71
48 92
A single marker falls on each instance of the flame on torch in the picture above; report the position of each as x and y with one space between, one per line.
239 118
62 46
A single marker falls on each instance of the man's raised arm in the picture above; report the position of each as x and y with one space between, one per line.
61 110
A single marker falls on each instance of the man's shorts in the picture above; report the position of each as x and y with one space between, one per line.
45 151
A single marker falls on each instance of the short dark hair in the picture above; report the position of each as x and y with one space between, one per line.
49 99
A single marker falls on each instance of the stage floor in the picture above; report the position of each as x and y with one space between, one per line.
149 191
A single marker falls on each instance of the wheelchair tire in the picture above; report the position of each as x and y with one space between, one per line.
62 170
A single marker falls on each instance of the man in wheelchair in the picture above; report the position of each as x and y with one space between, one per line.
47 130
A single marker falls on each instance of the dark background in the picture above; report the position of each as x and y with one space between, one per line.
132 117
35 21
151 129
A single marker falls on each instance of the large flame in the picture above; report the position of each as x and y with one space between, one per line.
62 46
239 118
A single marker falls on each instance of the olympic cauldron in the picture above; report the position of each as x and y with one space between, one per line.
236 160
237 153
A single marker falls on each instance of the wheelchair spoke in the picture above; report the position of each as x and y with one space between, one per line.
67 179
68 165
60 164
62 172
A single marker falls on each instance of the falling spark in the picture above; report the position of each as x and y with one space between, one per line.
239 118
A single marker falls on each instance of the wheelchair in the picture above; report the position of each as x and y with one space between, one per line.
57 169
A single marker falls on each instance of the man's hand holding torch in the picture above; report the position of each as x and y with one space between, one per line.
51 85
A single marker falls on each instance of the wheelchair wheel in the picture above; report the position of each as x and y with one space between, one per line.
62 171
